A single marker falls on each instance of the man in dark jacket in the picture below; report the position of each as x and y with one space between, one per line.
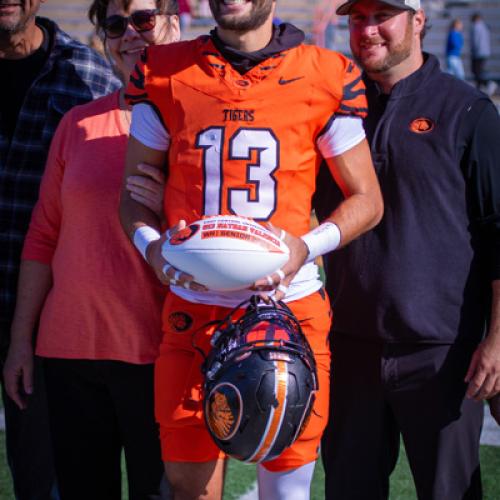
44 73
416 330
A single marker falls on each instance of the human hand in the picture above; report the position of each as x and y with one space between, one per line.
281 279
18 372
148 189
166 273
483 375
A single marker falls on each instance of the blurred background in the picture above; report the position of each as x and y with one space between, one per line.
318 20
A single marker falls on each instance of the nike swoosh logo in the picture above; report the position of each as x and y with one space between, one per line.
282 81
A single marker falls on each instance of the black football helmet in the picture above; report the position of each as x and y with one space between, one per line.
260 382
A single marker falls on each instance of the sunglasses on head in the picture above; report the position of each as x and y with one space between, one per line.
142 20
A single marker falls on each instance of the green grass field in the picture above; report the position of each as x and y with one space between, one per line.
240 477
402 487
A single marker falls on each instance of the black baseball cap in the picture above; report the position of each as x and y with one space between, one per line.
345 8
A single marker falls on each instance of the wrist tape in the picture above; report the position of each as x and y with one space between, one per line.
143 236
322 239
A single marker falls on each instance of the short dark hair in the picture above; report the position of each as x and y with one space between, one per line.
99 8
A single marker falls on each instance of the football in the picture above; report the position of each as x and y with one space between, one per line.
226 252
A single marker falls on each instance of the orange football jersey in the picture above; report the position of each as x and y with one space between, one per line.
245 144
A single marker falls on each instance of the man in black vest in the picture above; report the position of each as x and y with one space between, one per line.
416 330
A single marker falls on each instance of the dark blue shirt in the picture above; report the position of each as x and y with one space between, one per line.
424 273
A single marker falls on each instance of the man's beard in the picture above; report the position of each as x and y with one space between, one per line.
10 25
259 13
396 55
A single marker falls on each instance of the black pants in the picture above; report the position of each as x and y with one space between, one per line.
98 408
29 449
478 67
380 392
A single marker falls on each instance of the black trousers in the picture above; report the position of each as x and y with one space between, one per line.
98 408
28 444
380 392
478 67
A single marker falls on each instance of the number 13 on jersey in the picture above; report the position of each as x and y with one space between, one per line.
240 146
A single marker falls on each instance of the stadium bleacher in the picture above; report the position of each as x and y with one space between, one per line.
72 17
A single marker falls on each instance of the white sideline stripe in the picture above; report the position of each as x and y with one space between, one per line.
253 494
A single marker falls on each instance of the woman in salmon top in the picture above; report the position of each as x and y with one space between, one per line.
95 301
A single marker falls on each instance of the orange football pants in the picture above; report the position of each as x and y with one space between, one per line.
178 381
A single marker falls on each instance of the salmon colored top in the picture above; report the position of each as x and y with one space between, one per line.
105 302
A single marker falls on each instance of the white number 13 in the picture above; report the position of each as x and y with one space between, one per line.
241 145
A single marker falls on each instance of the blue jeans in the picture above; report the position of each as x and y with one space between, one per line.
455 66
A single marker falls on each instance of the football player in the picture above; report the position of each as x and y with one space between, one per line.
242 119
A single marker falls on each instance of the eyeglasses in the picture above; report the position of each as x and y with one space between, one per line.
142 20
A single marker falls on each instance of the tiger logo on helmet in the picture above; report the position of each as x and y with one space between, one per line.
260 382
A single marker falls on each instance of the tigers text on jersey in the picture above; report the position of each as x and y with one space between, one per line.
246 144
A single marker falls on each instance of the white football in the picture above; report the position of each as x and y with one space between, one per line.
226 252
